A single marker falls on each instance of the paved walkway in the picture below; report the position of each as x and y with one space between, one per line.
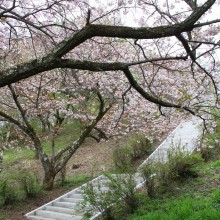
185 136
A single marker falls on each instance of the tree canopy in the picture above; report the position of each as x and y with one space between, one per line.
115 66
56 31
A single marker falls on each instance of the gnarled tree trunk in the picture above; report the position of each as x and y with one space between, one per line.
49 176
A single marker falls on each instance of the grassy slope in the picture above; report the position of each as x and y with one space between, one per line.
67 134
192 199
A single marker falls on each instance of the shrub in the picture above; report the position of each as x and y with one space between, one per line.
216 197
183 164
148 172
209 150
140 146
95 199
180 165
18 186
123 186
8 192
156 175
216 163
114 198
124 156
210 147
29 184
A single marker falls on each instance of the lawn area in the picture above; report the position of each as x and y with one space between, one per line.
190 199
66 135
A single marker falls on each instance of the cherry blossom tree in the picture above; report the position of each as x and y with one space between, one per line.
104 108
64 28
138 68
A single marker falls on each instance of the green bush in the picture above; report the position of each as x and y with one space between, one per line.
123 185
114 201
122 158
210 147
183 164
137 147
29 184
180 165
148 172
18 186
209 150
94 199
216 163
8 192
140 146
216 197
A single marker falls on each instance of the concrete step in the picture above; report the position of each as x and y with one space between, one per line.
101 189
75 195
78 191
59 209
105 181
34 217
56 215
68 205
71 200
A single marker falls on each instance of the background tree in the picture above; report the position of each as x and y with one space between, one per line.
70 23
170 59
102 108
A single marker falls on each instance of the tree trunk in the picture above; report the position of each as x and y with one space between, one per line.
36 156
1 159
49 177
43 126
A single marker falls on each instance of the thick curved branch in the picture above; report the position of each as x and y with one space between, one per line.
49 61
148 97
25 70
94 30
185 44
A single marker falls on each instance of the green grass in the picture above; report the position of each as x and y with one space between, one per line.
66 135
75 181
216 163
195 199
181 208
11 156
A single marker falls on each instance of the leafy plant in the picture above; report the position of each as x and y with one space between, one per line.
137 147
122 158
183 164
29 184
180 165
95 199
123 185
140 146
8 193
216 163
148 172
216 197
112 198
210 147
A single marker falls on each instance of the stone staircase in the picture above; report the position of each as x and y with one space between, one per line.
186 136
